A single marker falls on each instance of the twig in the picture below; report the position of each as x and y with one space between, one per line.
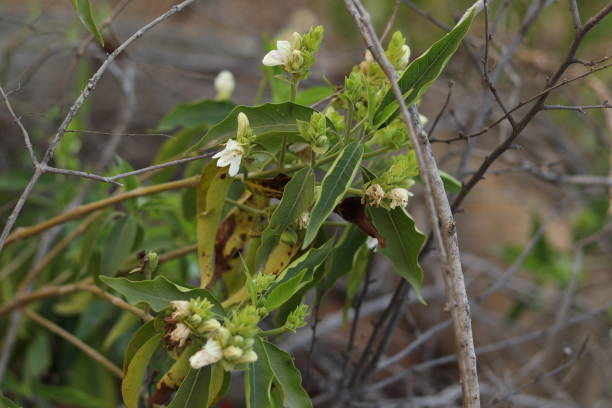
24 132
439 211
101 132
85 209
391 21
431 130
93 81
78 173
519 127
575 14
579 108
90 351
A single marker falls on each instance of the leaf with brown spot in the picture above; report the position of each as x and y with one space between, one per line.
272 188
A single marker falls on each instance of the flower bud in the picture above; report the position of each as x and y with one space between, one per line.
180 335
209 326
244 133
405 58
398 197
195 320
248 357
295 61
224 84
181 308
296 41
209 354
232 352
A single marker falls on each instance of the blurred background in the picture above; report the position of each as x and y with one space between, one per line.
541 236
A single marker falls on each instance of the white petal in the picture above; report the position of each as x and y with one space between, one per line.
284 47
225 160
273 58
233 144
218 154
234 167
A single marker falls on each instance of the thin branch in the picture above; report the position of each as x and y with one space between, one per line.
575 14
91 84
391 21
579 108
160 166
85 209
101 132
24 132
439 211
431 130
85 348
78 173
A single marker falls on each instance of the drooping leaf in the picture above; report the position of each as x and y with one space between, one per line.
205 112
119 244
83 9
335 184
157 293
258 379
297 198
194 391
288 377
130 386
210 201
267 120
424 70
140 337
403 243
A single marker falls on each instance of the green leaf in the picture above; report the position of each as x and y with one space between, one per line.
297 198
309 261
342 261
451 184
193 392
140 337
121 326
403 243
359 266
258 379
267 120
172 149
130 386
313 95
288 377
119 244
283 292
7 403
197 113
335 184
83 9
38 356
157 293
424 70
210 201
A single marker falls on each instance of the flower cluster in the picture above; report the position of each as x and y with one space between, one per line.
189 317
398 197
297 55
230 344
236 149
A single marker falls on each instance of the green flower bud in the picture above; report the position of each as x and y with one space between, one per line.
209 325
232 352
296 41
244 322
244 135
247 357
296 61
149 263
353 86
201 307
312 39
297 318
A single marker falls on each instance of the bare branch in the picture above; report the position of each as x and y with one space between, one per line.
24 132
391 20
85 348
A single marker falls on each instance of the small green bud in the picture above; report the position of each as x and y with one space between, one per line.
232 352
289 236
263 282
244 135
202 307
296 41
353 86
244 322
297 318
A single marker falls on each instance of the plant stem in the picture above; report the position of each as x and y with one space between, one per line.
294 88
245 207
349 122
273 332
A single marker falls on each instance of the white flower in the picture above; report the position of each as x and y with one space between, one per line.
280 56
375 194
224 84
181 308
398 197
247 358
405 58
231 156
232 352
209 354
180 334
423 119
371 242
